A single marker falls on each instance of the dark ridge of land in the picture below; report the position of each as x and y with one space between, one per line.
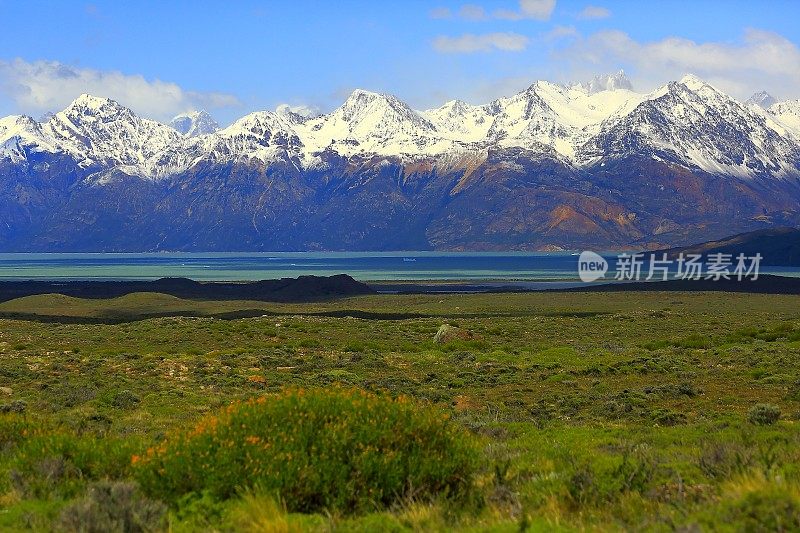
765 284
777 246
300 289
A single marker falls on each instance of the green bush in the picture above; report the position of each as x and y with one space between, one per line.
793 392
60 464
113 506
339 449
766 511
723 460
17 406
757 503
13 429
764 414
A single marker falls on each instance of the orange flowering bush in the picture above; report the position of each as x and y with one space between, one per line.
342 449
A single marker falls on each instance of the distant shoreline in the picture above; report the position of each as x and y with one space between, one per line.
765 284
320 288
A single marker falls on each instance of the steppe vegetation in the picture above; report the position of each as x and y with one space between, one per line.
566 411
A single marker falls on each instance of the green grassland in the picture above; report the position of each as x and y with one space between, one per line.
619 411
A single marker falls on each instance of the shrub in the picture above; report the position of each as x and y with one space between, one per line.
342 449
668 417
581 486
764 414
51 465
125 399
758 503
722 460
793 392
636 471
113 506
15 428
69 395
17 406
766 511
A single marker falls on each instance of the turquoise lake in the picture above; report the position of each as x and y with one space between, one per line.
364 266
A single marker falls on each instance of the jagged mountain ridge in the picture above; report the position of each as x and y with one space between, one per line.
194 123
551 167
568 119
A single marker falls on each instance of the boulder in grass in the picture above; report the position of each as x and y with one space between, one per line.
448 333
6 391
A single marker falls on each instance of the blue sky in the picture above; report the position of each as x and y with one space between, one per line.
236 57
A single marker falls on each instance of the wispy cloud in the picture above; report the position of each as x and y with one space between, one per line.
762 59
470 43
527 9
472 12
594 12
559 32
41 86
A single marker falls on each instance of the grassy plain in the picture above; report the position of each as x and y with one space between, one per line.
592 411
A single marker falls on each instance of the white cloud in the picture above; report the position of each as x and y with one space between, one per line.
472 12
537 9
594 12
469 43
762 60
43 86
559 32
529 9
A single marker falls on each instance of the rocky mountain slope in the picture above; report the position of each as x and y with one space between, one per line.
778 246
553 167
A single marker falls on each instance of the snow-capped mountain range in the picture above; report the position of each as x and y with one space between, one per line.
686 120
686 126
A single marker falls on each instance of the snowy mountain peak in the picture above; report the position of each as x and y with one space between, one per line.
194 123
702 89
88 100
360 101
86 104
299 113
456 106
98 131
692 82
363 93
17 131
360 98
762 99
609 82
694 124
380 112
259 120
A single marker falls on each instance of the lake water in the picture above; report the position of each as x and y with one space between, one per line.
364 266
367 266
